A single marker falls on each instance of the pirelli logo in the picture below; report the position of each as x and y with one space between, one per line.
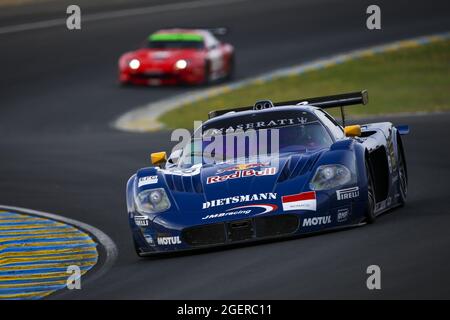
348 193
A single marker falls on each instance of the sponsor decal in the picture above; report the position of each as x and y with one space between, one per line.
164 241
342 214
316 221
383 204
225 214
245 166
348 193
147 180
300 201
242 174
239 199
243 210
189 172
141 221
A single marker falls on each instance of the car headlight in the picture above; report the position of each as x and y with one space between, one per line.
181 64
152 201
134 64
330 176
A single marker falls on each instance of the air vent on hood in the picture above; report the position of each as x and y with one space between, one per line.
297 165
185 183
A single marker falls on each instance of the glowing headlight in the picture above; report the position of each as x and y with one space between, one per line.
152 201
134 64
330 176
181 64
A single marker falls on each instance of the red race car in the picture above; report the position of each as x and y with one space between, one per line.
178 56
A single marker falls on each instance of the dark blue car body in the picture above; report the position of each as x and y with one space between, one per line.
275 204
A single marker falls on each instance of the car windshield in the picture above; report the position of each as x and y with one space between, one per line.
175 41
236 146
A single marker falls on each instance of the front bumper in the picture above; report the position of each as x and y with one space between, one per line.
152 78
157 239
160 236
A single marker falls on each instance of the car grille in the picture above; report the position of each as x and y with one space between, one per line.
153 75
204 235
241 230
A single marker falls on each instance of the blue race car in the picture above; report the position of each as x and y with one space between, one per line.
314 175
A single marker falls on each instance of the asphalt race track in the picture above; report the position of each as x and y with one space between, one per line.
58 152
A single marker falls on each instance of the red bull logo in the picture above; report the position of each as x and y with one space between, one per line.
242 174
243 166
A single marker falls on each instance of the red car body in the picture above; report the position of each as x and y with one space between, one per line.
178 56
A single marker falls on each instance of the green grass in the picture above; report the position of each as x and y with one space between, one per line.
408 80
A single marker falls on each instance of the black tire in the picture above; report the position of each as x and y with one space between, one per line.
370 211
207 78
402 176
137 250
230 74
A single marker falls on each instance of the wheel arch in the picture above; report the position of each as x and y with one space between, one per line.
401 149
379 166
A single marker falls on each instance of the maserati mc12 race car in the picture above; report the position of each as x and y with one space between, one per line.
317 175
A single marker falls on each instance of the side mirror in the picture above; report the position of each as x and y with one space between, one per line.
353 131
403 129
158 158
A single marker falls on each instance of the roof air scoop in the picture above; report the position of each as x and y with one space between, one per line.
263 104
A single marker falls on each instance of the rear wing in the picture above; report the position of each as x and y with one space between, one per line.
325 102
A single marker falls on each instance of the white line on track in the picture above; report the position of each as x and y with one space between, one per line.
107 243
61 22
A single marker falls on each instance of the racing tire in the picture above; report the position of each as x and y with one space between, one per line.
207 70
402 176
231 69
370 211
137 250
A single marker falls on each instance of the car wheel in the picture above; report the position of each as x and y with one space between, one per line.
136 248
230 74
402 177
370 211
207 71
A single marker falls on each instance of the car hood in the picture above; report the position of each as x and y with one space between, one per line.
160 55
210 189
